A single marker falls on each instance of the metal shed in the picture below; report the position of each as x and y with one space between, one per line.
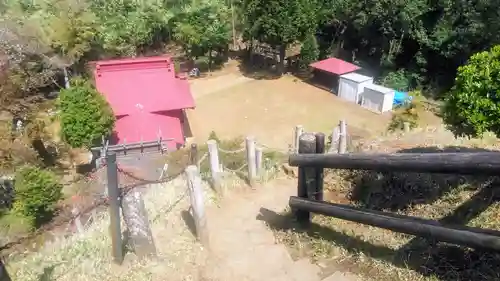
352 85
378 98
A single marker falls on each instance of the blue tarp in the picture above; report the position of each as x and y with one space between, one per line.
401 97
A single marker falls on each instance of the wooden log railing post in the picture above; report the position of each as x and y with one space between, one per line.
334 146
307 184
299 130
77 220
215 169
251 165
193 155
197 204
114 208
135 215
343 137
406 127
4 274
320 149
258 160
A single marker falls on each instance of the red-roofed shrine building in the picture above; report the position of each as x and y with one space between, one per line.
147 98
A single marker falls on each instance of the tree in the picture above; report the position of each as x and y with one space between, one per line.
471 108
309 51
38 42
85 115
280 23
67 27
25 66
128 25
203 28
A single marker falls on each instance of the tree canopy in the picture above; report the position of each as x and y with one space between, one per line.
128 25
203 27
279 23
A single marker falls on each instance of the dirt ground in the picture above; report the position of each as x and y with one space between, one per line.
234 105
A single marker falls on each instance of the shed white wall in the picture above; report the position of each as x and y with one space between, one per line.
348 90
377 101
351 90
361 89
388 101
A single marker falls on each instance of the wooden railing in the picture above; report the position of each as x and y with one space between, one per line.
311 162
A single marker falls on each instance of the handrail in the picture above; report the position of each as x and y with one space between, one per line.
461 235
482 163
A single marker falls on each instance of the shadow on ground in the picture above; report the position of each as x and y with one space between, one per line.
259 68
401 191
188 219
446 262
46 275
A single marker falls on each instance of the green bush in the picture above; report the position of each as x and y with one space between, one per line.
408 112
471 107
85 115
36 194
398 80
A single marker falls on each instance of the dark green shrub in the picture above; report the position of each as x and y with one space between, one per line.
36 194
85 115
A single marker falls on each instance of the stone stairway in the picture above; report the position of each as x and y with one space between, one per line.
242 247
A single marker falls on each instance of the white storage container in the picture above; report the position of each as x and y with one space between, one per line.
378 98
351 85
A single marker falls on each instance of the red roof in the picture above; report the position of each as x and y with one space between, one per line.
335 66
148 84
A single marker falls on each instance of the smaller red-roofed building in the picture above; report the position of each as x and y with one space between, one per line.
147 98
334 66
328 71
